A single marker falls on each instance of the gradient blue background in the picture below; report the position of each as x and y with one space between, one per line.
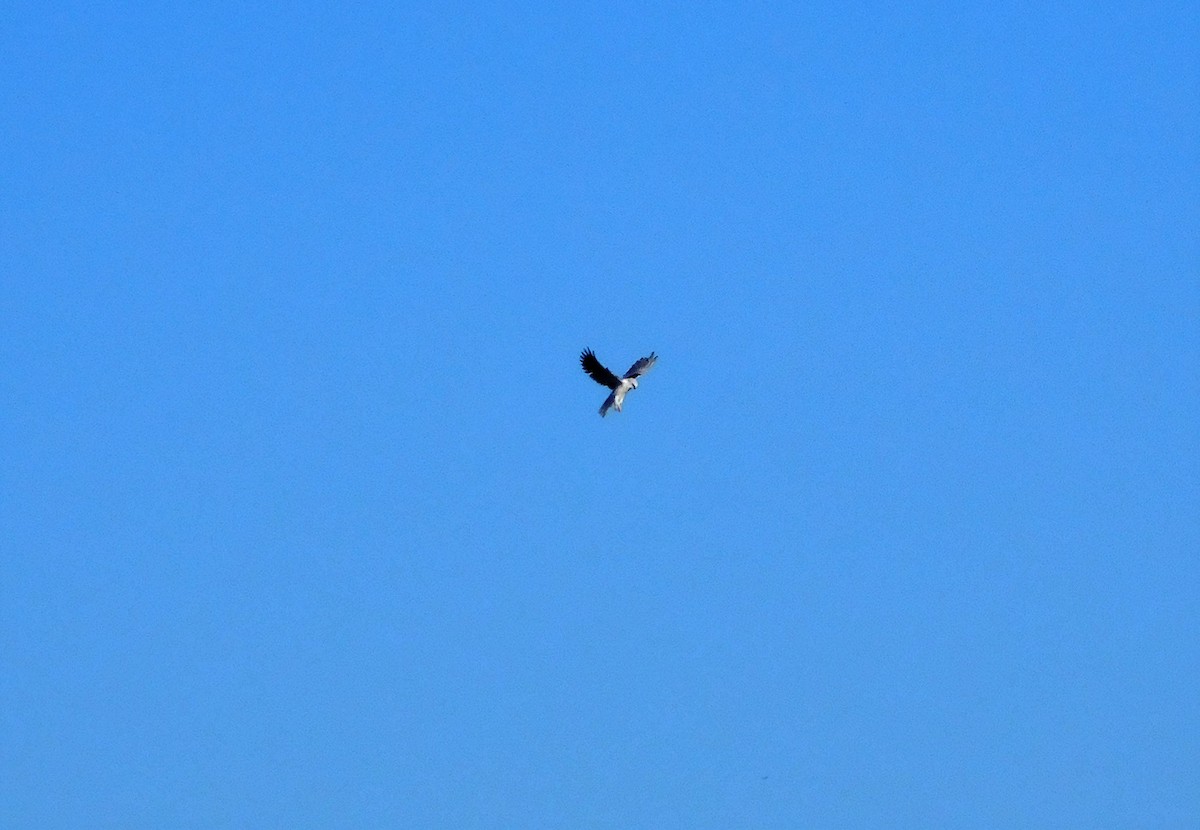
308 519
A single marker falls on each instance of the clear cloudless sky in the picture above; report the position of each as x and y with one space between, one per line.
306 512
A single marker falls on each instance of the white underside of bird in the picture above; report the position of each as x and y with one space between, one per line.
614 400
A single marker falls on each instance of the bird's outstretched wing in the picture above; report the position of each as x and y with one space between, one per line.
642 366
596 370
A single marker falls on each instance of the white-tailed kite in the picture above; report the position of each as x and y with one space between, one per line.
619 386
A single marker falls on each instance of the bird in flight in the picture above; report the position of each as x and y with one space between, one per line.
619 386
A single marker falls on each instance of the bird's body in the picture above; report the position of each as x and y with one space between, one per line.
619 386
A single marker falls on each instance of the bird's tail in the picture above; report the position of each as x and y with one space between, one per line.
608 404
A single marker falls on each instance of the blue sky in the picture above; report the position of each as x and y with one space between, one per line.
307 515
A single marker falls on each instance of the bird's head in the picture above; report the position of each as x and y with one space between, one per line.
633 383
